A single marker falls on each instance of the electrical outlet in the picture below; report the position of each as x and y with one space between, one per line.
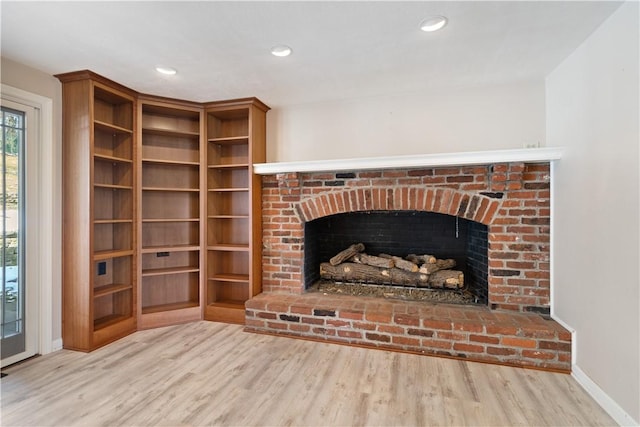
102 268
530 144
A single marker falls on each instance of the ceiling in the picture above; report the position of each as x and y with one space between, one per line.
340 49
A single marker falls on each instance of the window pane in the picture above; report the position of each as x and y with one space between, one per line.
11 293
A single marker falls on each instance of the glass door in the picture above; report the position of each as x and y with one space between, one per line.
17 333
12 299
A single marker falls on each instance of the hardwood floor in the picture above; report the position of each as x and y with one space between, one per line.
207 373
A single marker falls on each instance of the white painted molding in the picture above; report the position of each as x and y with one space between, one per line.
56 345
607 403
46 186
413 161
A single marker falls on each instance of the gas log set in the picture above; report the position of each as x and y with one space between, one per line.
422 271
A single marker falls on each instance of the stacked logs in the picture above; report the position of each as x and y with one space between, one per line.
425 271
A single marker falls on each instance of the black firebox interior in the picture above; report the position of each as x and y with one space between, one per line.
401 233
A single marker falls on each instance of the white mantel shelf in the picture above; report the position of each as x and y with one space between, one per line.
526 155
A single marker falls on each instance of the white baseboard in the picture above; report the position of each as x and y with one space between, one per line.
56 345
603 399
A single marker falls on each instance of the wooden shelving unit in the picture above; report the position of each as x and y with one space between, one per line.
235 140
161 209
99 206
171 231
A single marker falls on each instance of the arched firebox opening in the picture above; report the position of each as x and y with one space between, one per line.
401 233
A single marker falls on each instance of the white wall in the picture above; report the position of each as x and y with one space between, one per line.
39 83
454 120
592 110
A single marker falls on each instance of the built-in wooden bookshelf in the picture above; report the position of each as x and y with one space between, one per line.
99 227
235 140
171 230
162 210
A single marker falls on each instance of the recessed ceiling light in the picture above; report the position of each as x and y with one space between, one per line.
281 50
433 23
166 70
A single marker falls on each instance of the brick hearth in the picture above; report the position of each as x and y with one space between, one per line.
511 199
470 332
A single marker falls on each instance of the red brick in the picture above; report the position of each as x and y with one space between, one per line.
377 337
312 321
501 351
484 339
469 348
536 274
394 174
535 354
447 171
501 330
553 345
428 202
534 332
406 341
349 334
436 324
364 326
397 330
378 317
254 322
324 331
427 342
513 185
266 315
352 315
299 328
564 335
455 204
420 332
467 326
564 357
406 320
518 342
455 336
370 174
420 172
482 209
491 210
337 323
277 325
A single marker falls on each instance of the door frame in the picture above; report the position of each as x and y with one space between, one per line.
40 236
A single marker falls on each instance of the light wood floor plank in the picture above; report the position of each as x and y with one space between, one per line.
207 373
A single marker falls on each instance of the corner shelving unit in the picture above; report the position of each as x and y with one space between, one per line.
171 207
235 140
161 209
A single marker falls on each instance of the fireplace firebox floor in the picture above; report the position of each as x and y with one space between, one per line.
404 293
470 332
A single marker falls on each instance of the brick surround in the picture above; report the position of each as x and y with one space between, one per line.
511 199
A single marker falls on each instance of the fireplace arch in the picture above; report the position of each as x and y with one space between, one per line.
475 207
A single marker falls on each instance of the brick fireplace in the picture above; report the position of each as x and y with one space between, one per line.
512 199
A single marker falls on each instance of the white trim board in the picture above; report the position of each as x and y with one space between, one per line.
415 161
602 398
46 183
